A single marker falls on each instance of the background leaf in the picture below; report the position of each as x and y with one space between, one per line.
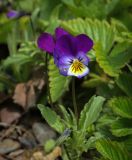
58 84
121 127
111 150
124 82
122 106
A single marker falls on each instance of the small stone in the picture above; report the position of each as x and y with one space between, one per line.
43 132
8 145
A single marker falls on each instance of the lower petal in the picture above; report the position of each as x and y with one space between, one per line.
78 71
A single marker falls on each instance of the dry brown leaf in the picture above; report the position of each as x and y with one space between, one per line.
20 94
25 93
9 114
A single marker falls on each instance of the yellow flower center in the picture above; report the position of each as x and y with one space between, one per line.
77 66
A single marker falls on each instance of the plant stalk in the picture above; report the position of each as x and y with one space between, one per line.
74 98
47 79
32 27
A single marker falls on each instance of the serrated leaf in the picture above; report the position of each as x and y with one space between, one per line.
124 81
90 112
94 8
122 106
52 118
121 127
58 84
104 36
111 150
128 143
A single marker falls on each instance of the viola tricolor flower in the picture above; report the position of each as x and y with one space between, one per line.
69 51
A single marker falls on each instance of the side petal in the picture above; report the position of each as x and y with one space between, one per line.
46 42
60 32
63 63
83 43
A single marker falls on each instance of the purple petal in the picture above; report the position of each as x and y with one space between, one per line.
46 42
60 32
65 46
12 14
83 43
63 64
83 58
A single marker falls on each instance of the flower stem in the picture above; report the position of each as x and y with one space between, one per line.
47 80
74 98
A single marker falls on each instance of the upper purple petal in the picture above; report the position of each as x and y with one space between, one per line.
83 43
12 14
46 42
65 46
60 32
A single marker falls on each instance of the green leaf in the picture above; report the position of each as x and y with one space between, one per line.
124 82
121 127
94 8
110 54
128 143
58 84
66 116
52 118
19 59
122 106
74 120
111 150
90 112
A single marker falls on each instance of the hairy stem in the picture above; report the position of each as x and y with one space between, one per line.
47 79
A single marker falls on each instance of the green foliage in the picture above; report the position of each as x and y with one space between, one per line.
58 84
69 119
121 127
52 118
124 82
92 9
112 150
49 145
90 112
80 140
19 59
122 106
19 63
110 56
